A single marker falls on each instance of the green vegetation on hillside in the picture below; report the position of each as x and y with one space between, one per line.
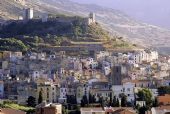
12 44
96 31
9 104
60 32
34 28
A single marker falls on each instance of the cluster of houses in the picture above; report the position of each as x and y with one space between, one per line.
58 76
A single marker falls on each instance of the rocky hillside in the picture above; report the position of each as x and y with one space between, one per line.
35 34
10 9
114 21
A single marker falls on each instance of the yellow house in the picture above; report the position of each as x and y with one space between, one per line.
6 54
24 91
49 91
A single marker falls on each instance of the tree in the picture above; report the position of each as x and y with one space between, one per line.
31 101
164 90
90 98
12 44
142 110
145 95
117 103
123 101
110 99
101 101
84 101
93 99
71 99
155 103
64 111
114 102
40 98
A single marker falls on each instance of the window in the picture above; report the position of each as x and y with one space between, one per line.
47 95
117 69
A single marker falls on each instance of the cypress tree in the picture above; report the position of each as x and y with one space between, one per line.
40 98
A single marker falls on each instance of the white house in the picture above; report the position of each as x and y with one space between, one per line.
106 70
127 89
94 64
15 55
106 67
37 74
101 55
136 57
41 56
63 94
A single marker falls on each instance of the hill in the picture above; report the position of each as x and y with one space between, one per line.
73 32
114 21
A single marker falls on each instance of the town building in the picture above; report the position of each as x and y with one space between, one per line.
101 90
116 75
160 110
164 100
50 108
48 89
44 18
108 110
11 111
126 89
28 14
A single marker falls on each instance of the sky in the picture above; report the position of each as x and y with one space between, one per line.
156 12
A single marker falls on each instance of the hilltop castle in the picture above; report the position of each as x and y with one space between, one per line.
91 19
28 14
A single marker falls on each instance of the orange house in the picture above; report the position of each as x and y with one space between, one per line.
164 100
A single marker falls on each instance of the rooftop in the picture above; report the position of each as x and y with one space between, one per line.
113 110
11 111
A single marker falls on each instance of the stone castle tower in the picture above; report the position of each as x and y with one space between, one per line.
92 16
28 14
91 19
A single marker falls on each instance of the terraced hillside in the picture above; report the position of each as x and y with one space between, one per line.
114 21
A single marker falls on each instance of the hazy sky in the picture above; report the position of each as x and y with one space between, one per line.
155 12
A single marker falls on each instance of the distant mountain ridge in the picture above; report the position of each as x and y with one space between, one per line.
114 21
